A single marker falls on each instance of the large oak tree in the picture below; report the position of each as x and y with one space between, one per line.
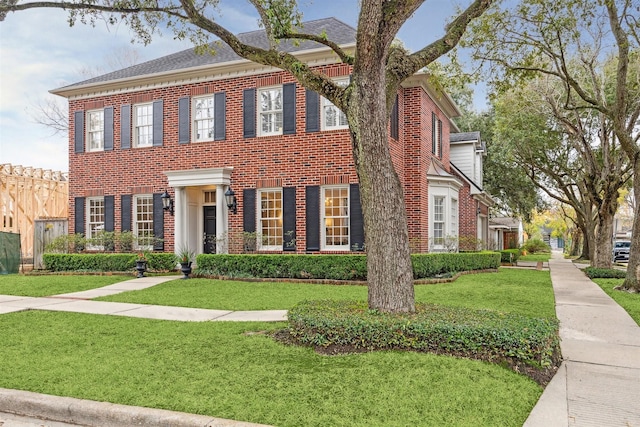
379 67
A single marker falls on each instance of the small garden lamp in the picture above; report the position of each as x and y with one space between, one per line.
167 202
232 203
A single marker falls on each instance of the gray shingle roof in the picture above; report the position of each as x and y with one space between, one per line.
464 136
336 30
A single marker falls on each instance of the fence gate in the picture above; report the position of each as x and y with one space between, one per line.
9 253
45 232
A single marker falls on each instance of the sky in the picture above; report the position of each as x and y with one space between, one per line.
39 52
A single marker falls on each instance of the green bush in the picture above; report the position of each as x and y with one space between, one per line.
156 261
337 267
509 255
533 246
604 273
478 334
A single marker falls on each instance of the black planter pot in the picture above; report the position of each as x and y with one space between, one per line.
141 267
185 267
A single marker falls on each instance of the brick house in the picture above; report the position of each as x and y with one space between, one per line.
200 126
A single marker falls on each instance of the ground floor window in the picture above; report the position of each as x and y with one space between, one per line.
143 221
438 221
335 218
444 215
270 219
95 221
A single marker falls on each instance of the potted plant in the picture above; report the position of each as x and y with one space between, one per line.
141 264
185 258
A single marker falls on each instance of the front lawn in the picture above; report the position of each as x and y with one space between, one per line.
630 302
42 286
232 370
536 257
528 292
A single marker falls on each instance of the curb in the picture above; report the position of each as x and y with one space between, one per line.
91 413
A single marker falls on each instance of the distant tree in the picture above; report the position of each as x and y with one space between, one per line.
379 67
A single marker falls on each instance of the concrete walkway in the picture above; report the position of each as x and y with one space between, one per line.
598 383
79 302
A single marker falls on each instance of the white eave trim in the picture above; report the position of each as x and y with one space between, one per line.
198 177
440 97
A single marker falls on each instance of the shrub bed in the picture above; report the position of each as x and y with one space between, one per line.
604 273
339 326
337 267
509 255
156 261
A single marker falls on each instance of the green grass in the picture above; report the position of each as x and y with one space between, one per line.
535 257
219 370
527 292
630 302
40 286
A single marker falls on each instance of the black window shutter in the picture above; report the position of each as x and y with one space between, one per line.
125 126
109 213
157 123
289 218
440 138
78 131
313 111
249 113
249 210
434 123
184 113
108 129
394 120
289 109
79 215
219 119
125 212
312 195
356 221
158 223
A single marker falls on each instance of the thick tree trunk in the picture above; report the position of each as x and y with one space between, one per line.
603 253
632 281
576 242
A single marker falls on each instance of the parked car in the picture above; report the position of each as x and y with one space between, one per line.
621 250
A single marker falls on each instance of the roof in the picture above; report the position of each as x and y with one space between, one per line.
336 30
465 137
505 222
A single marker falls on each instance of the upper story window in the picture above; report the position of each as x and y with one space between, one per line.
95 218
203 118
143 221
335 218
270 111
143 125
333 117
95 130
270 219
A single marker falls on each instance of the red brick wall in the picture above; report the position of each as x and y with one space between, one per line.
298 160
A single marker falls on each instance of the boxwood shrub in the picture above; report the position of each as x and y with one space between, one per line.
156 261
478 334
604 273
509 255
337 267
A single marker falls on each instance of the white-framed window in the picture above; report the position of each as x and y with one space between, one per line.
95 219
270 219
454 217
270 111
143 221
203 118
438 221
332 117
437 135
335 218
95 130
143 125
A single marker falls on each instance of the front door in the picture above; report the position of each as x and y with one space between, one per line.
209 230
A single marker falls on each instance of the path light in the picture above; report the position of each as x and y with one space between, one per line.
167 202
232 203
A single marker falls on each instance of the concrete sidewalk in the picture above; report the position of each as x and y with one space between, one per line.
79 302
598 383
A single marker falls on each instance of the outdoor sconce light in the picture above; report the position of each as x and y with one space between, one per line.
478 210
167 203
232 203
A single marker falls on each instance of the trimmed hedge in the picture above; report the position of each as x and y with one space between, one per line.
604 273
509 255
156 261
478 334
337 267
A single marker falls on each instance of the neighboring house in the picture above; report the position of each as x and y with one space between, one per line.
467 153
506 233
28 194
220 130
